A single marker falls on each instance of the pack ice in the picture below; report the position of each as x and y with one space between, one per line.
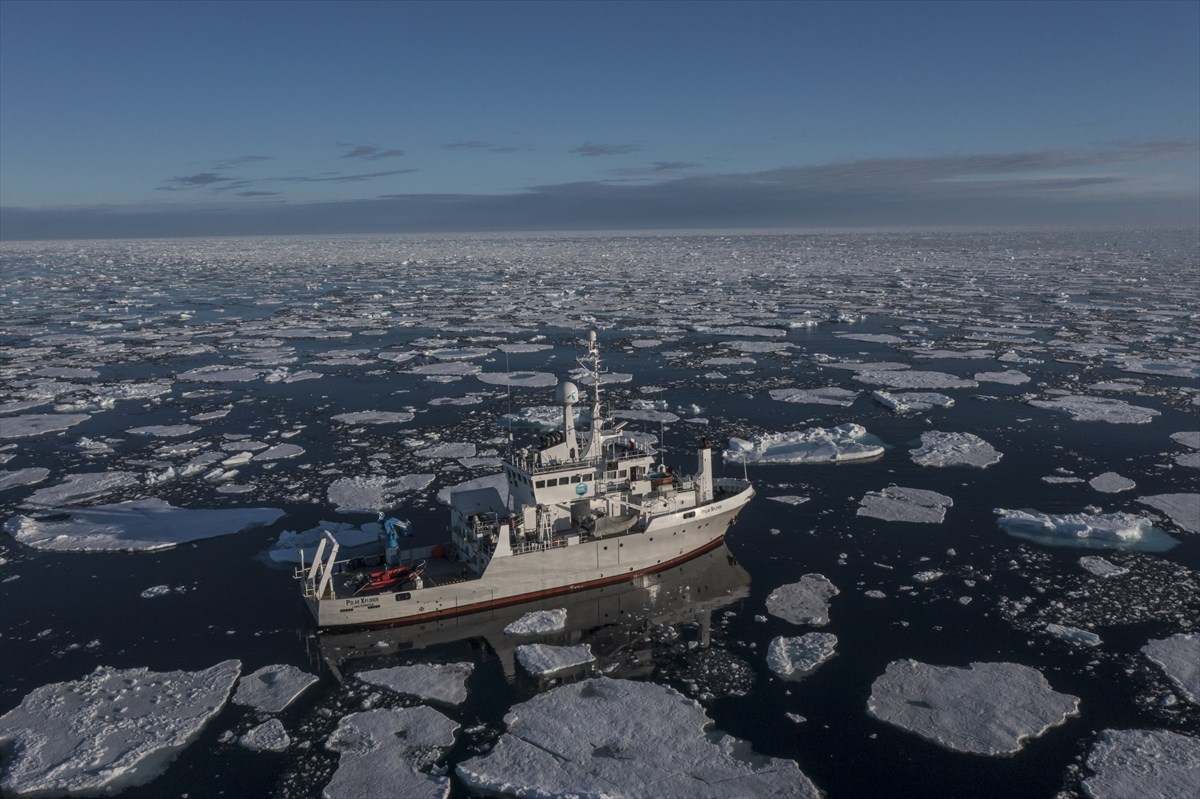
619 738
272 688
394 748
110 730
431 682
1143 764
985 709
1098 409
1179 658
815 445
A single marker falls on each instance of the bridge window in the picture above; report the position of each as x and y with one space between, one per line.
540 484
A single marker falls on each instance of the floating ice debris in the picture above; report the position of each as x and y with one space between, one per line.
874 338
985 709
77 488
1011 377
520 379
618 738
1099 531
430 682
35 424
538 621
1189 438
1101 567
911 400
390 753
164 430
897 504
1059 480
519 348
110 730
272 688
800 656
1111 483
221 374
280 452
896 378
23 477
542 659
369 494
815 445
453 354
1098 409
928 576
1184 509
817 396
789 499
374 417
270 736
140 525
449 449
155 591
1143 764
447 369
803 602
1143 366
757 346
954 449
1179 658
1073 635
288 548
725 361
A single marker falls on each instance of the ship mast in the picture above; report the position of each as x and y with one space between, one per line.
593 448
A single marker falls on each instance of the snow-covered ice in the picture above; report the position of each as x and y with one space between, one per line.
1073 635
270 736
536 622
803 602
898 504
618 738
431 682
1179 658
815 445
1143 764
22 477
77 488
830 395
1101 567
985 709
1098 409
1111 483
36 424
954 449
905 401
799 656
1183 509
1099 531
374 417
543 659
390 753
64 738
272 688
897 378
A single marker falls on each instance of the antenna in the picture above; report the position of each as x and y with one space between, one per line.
508 385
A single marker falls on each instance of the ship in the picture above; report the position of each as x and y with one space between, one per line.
582 507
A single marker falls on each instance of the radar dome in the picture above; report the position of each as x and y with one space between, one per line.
567 393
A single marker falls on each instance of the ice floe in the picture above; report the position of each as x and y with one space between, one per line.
270 736
390 750
430 682
135 526
164 430
1011 377
803 602
1183 509
800 656
538 621
272 688
77 488
1073 635
815 445
1101 567
790 499
63 737
1179 658
984 709
22 477
370 494
518 379
618 738
830 395
374 417
290 545
36 424
896 378
1143 764
1098 409
897 504
1097 531
904 402
954 449
543 659
1111 483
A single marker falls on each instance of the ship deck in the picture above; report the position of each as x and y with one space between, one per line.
438 571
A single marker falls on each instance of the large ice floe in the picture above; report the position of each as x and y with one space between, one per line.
907 401
845 442
897 378
985 709
1098 531
954 449
135 526
543 659
390 753
1098 409
898 504
430 682
35 424
1143 764
799 656
110 730
272 688
619 738
831 395
1179 658
1183 509
803 602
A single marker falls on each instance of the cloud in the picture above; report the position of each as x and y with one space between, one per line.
475 144
655 168
369 152
258 194
191 181
241 160
342 178
591 149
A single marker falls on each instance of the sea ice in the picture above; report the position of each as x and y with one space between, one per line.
374 417
803 602
1147 764
35 424
390 753
280 452
814 445
135 526
1101 567
1179 658
22 477
538 621
896 378
954 449
370 494
1184 509
110 730
430 682
789 499
619 738
1012 377
164 430
985 709
542 659
272 688
1098 409
912 400
1073 635
818 396
800 656
897 504
291 544
77 488
1099 531
270 736
1111 483
518 379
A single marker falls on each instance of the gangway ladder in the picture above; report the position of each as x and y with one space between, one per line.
321 569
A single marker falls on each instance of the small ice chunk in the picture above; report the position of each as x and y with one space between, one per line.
1179 658
112 729
272 688
431 682
638 739
542 659
1098 409
394 748
800 656
1101 567
1184 509
538 621
803 602
1143 763
985 709
954 449
270 736
1111 483
814 445
1073 635
898 504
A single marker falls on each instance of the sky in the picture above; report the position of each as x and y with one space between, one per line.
123 119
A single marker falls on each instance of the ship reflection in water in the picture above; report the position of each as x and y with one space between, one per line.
613 620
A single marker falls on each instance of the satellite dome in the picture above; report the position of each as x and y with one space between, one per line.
567 393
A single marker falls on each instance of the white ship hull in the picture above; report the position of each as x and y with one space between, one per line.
668 540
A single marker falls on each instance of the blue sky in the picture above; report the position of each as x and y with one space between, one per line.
170 118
